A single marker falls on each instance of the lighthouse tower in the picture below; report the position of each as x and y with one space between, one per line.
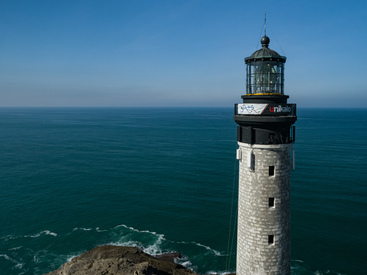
265 136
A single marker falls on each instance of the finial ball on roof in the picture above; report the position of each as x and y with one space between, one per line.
265 41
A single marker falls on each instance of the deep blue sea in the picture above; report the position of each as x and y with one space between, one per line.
165 179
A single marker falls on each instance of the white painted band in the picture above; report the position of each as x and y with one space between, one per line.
264 146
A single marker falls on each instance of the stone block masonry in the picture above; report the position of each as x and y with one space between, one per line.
263 244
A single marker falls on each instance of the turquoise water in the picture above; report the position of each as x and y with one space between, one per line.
165 180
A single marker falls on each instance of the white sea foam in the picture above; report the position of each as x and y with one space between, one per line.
186 264
160 236
15 248
9 237
130 236
100 230
123 225
18 265
133 229
128 243
40 255
150 249
140 231
82 228
184 261
45 232
215 252
69 258
154 246
6 257
153 250
72 256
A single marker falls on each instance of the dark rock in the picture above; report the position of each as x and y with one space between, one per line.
169 257
118 260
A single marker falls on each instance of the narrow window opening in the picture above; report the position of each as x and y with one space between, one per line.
270 239
271 202
271 171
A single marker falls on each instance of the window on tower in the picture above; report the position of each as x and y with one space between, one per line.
271 171
271 202
270 239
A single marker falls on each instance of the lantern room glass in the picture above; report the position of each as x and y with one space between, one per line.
265 77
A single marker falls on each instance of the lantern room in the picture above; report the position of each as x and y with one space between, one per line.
265 71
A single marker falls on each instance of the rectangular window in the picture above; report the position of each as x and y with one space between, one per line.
271 202
271 171
270 239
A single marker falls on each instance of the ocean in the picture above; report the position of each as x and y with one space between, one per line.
165 179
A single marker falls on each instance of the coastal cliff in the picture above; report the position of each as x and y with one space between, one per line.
117 260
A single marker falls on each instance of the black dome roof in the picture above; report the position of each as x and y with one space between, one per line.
265 53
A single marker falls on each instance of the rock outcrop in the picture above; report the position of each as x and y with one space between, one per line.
117 260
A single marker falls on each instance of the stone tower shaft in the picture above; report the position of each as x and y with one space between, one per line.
263 209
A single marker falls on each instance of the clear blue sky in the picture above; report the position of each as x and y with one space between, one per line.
177 53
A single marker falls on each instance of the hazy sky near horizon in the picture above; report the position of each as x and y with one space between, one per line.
176 52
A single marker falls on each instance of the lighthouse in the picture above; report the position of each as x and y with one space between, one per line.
265 137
